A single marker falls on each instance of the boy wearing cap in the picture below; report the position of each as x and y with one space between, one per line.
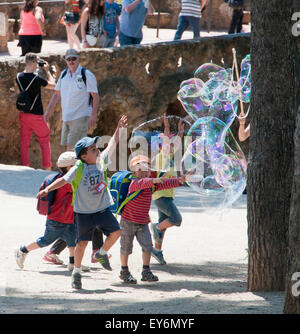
135 216
92 199
60 221
79 100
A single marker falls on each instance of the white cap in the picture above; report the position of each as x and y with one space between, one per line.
66 159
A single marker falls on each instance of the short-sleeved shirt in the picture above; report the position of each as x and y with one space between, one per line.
34 90
112 11
88 199
131 24
191 8
75 94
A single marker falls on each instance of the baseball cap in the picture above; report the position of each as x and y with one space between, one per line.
139 159
66 159
84 143
71 53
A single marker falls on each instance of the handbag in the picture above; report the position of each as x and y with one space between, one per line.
91 40
71 17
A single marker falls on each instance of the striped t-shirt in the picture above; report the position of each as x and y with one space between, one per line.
191 8
137 210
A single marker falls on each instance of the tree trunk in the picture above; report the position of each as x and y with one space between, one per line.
270 169
292 299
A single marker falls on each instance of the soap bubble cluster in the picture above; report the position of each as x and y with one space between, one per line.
201 146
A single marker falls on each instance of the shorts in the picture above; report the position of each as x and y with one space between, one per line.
86 223
74 130
168 210
131 230
55 230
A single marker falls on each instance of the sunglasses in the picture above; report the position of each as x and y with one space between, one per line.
71 59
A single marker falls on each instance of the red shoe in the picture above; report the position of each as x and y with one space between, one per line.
93 259
53 258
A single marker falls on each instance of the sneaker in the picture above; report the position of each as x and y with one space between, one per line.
126 277
53 258
158 255
20 258
83 267
103 259
93 259
157 234
76 281
148 276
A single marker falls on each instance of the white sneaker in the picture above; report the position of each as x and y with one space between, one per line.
20 258
83 267
53 258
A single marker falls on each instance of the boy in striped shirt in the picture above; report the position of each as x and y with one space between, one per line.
135 216
189 15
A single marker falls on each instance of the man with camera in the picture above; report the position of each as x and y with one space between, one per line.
31 110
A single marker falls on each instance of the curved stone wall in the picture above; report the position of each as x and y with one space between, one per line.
140 81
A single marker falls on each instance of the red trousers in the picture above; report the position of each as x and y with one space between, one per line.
29 124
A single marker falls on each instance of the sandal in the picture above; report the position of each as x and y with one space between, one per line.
126 277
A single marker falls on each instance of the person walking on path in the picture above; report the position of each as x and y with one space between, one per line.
135 216
31 28
91 198
60 220
132 20
33 121
79 100
189 15
237 16
92 24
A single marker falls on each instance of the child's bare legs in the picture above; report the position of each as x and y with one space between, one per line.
163 226
32 246
72 37
79 252
71 251
111 240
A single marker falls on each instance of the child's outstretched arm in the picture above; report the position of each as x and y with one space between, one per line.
115 138
172 182
53 186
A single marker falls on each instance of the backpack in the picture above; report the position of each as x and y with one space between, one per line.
235 3
44 204
83 70
118 186
24 102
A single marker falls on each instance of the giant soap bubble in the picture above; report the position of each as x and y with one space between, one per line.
161 137
213 161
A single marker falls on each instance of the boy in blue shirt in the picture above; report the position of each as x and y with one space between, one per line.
111 24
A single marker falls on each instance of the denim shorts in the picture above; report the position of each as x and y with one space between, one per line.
168 210
131 230
55 230
86 223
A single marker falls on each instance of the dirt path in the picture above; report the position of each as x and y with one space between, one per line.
206 270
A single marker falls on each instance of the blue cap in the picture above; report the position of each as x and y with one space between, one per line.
84 143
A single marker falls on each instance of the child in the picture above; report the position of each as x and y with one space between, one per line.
168 214
135 217
111 25
60 221
92 200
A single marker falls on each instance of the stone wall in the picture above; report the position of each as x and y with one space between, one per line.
220 13
139 81
53 11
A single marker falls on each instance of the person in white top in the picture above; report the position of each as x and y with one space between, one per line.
78 91
189 15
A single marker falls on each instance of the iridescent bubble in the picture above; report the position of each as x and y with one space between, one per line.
214 164
245 79
160 137
191 97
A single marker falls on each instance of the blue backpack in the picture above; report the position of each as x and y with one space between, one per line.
118 186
